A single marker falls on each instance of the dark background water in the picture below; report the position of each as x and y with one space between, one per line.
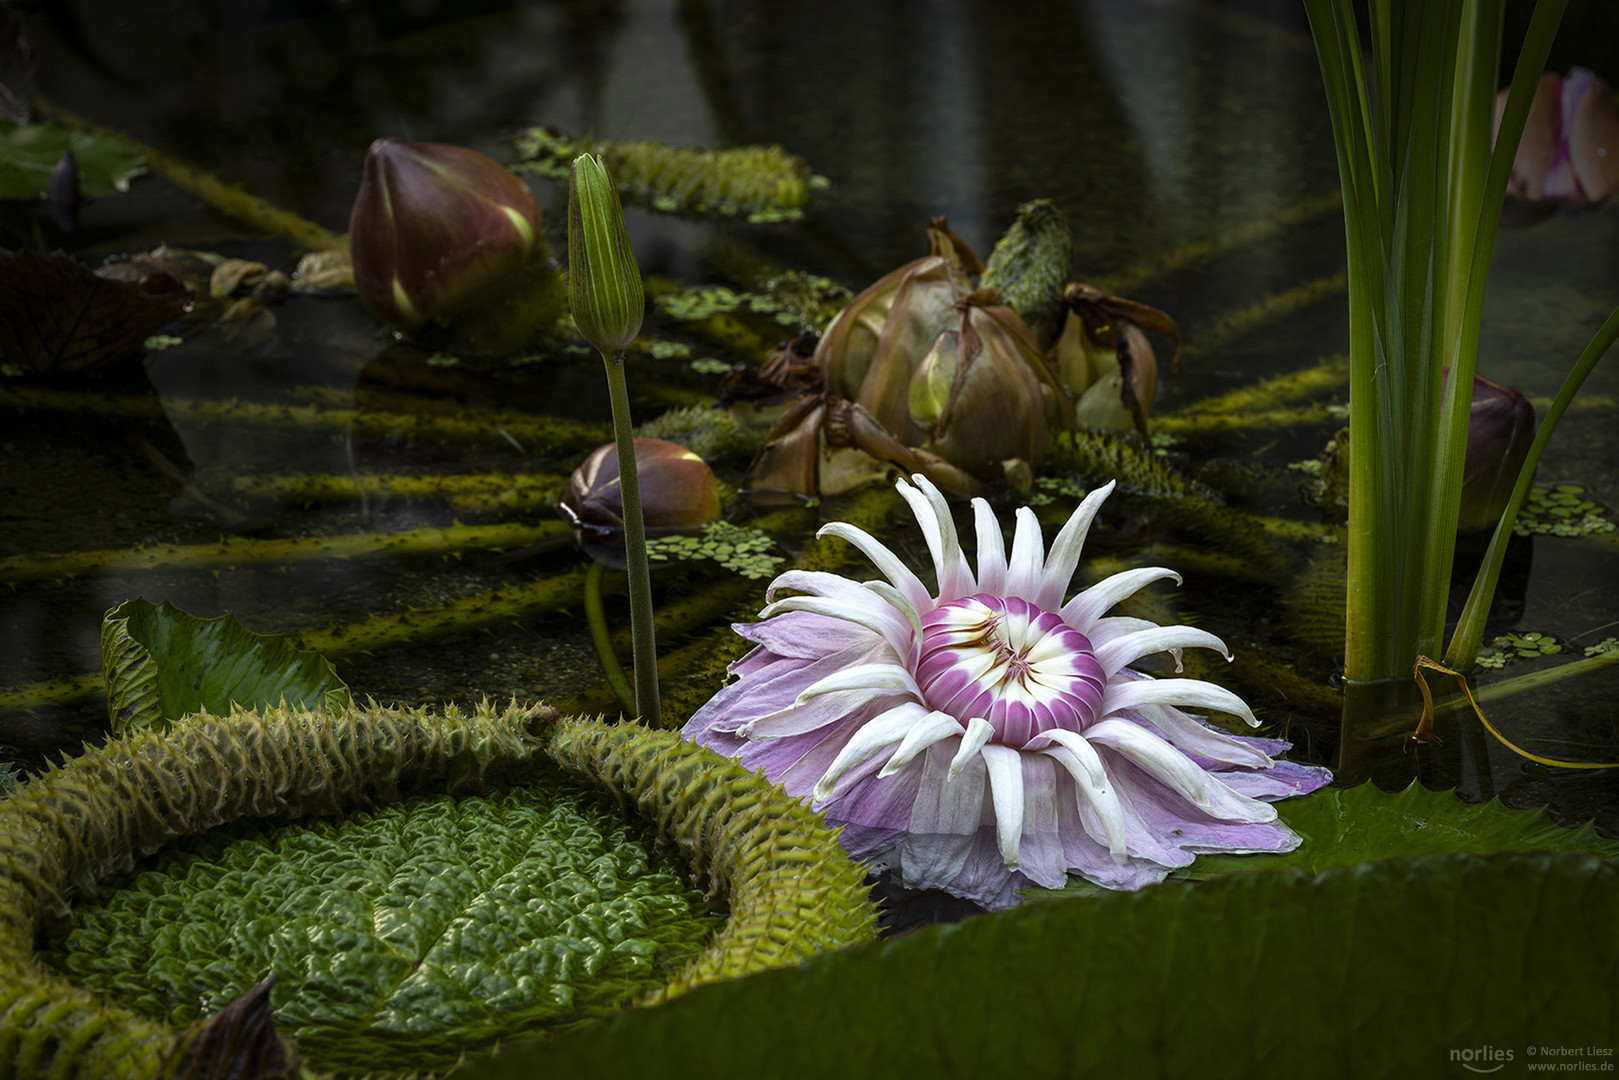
1154 127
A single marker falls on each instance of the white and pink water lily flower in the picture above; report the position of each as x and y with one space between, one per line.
990 735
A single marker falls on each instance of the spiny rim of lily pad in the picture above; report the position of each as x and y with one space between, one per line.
790 889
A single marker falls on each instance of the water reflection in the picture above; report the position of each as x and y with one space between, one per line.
1188 144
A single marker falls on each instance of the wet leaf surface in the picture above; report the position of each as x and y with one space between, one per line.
403 935
58 317
1375 970
163 663
29 152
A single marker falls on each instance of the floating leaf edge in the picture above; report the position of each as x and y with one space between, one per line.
791 891
134 699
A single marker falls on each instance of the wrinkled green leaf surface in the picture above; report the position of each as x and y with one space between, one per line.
29 152
400 936
1374 970
163 663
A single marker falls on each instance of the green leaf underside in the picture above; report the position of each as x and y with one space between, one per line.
1345 826
401 936
29 153
1375 970
163 664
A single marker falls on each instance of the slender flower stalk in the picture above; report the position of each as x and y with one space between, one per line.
604 290
985 735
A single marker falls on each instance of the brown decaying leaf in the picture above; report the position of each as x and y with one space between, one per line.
57 317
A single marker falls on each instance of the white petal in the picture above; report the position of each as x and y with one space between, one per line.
882 730
939 530
991 550
896 599
1090 777
1123 651
1106 629
1027 563
1130 694
1194 738
909 585
935 727
977 734
886 677
878 618
814 582
826 711
1179 772
1064 554
1088 606
1005 767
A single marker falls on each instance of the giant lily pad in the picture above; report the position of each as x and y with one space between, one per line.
1345 826
29 152
402 934
163 663
1397 968
762 855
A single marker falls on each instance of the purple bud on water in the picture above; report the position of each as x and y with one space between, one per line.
62 193
435 225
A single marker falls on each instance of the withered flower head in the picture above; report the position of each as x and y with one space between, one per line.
1104 359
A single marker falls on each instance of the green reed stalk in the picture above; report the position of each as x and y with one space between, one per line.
1422 197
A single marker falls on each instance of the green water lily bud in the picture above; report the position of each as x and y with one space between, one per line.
604 283
433 227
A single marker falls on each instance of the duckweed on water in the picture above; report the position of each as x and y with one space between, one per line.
741 550
1530 645
761 183
1561 510
792 299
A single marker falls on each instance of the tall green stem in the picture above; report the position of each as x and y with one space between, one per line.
644 649
603 638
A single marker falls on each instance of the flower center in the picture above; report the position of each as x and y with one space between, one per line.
1019 667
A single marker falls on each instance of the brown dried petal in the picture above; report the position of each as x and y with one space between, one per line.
1089 301
997 408
943 241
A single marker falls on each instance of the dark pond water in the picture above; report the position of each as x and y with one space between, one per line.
1187 144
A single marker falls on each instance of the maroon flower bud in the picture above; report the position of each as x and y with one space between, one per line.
1499 431
678 494
433 226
